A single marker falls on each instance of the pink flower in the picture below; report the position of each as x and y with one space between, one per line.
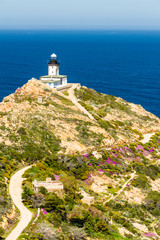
86 155
56 177
86 182
151 150
90 164
100 170
114 154
101 164
145 153
125 148
139 147
150 234
18 89
108 162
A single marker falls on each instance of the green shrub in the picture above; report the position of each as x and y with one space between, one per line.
102 112
152 203
141 182
3 113
53 218
66 93
157 228
43 190
87 106
88 137
22 131
105 124
71 189
2 232
63 100
27 192
55 204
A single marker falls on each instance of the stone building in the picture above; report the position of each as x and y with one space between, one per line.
49 184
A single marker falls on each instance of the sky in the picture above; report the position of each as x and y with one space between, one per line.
80 14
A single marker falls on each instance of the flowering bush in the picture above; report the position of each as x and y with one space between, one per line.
150 234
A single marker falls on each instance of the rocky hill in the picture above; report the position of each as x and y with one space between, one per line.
92 142
35 108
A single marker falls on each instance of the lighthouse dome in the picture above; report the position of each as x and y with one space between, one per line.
53 55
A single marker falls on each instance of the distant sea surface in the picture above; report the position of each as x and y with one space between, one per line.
125 64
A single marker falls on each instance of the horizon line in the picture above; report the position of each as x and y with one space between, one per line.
79 29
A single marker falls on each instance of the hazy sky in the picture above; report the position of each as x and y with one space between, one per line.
80 14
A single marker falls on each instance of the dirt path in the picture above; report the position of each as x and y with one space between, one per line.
146 137
121 190
75 102
15 191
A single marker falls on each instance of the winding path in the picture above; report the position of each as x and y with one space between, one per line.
15 191
75 102
121 190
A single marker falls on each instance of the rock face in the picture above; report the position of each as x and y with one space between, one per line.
36 105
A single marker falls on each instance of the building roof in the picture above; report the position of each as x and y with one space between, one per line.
53 55
49 81
48 184
53 76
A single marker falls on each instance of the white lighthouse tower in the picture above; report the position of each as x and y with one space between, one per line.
53 66
53 79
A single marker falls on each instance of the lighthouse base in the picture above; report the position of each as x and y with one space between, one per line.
55 81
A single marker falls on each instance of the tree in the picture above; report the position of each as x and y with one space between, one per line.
71 188
54 203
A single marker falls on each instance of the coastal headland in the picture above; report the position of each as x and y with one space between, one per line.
103 150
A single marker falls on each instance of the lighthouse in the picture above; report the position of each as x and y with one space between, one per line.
53 66
54 79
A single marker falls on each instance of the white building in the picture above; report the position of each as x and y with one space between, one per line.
53 79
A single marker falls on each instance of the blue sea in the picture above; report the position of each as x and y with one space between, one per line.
121 63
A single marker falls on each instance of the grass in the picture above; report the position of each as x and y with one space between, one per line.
88 137
63 100
65 93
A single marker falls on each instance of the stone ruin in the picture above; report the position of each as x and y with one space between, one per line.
49 184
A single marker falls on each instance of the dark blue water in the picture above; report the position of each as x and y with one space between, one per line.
124 64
